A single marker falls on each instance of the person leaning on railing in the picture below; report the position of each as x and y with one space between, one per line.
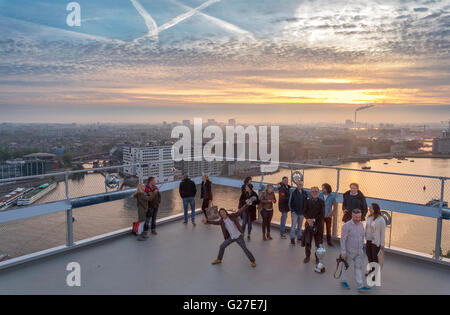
354 199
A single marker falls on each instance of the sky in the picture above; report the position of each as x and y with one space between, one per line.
259 61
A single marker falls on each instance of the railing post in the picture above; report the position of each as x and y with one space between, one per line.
69 218
335 216
437 248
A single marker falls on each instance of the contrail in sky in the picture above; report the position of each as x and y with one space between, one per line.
225 25
186 15
149 21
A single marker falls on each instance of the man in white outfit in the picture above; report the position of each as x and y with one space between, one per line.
352 244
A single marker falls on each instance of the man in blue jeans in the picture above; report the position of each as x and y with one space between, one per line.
284 192
187 192
297 203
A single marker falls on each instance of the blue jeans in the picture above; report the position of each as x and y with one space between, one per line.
296 225
283 223
186 202
246 220
153 219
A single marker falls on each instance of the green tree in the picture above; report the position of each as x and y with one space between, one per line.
67 159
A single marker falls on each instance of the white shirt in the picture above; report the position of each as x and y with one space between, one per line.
232 229
376 230
352 237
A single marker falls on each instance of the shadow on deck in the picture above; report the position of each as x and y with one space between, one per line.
178 261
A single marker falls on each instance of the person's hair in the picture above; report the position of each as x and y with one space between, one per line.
356 211
250 186
268 186
284 177
206 176
138 190
376 210
223 209
327 188
313 187
247 180
356 184
185 177
150 179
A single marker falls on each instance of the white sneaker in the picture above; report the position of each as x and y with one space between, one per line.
3 257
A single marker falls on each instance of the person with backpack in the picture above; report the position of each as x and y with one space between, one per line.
354 199
188 190
153 204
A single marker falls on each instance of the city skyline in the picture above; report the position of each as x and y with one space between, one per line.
304 61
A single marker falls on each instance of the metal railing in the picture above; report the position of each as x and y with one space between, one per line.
74 197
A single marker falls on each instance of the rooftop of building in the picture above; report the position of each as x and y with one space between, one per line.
178 261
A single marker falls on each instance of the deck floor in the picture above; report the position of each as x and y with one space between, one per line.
178 261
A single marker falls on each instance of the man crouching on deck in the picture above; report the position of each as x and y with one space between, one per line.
232 232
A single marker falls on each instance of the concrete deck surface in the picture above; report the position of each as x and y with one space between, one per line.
178 261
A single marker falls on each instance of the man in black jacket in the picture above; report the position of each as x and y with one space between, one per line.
187 192
314 216
284 190
354 199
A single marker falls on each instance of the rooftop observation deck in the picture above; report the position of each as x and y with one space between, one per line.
178 261
42 239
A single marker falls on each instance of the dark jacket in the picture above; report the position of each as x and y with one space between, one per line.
315 209
206 191
297 201
283 197
251 210
354 202
233 217
187 188
154 202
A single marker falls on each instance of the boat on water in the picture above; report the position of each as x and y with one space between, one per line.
10 199
385 163
36 194
412 161
436 203
366 167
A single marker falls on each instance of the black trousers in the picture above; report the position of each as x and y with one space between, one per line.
372 251
328 222
205 205
267 219
240 241
309 235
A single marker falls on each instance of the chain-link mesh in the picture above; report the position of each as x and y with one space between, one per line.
31 235
420 190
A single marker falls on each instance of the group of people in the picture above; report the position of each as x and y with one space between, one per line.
317 207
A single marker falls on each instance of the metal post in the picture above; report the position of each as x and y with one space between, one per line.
69 218
437 248
335 216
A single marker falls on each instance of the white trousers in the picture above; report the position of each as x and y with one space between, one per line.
357 260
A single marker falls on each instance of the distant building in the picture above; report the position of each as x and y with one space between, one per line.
349 123
154 161
363 150
187 122
442 145
29 165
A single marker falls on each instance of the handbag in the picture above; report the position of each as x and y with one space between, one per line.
212 212
138 228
